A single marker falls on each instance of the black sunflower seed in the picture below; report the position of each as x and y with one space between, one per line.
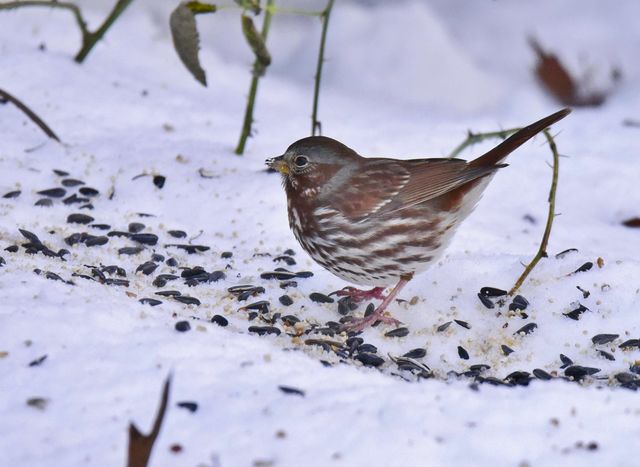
286 259
88 191
38 361
159 180
215 276
464 324
562 254
71 182
279 275
462 353
304 274
527 328
506 350
117 282
61 173
369 359
53 192
187 300
79 219
480 367
118 233
285 300
73 199
415 353
177 233
114 270
541 374
629 344
262 330
220 320
33 238
96 241
370 309
291 390
602 339
87 206
169 293
150 301
492 292
12 248
566 361
44 202
398 332
578 372
12 194
226 255
147 267
135 227
443 327
183 326
575 314
346 305
368 348
518 303
191 249
190 406
157 257
75 238
262 306
320 298
486 301
145 238
172 262
101 226
606 355
519 378
584 268
290 320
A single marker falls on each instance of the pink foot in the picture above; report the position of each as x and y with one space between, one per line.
358 295
358 324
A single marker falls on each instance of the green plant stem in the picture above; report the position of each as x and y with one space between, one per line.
29 113
253 89
474 138
315 124
89 38
542 251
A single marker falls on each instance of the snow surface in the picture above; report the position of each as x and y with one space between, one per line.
402 79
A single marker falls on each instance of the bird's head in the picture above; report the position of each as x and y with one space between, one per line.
309 164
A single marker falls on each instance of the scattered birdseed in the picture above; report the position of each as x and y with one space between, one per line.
606 355
367 348
71 182
443 327
291 390
135 227
368 359
88 191
53 192
279 275
518 378
101 226
187 300
486 301
462 353
12 194
398 332
286 259
602 339
541 374
564 253
320 298
130 250
262 306
159 180
183 326
630 344
44 202
147 268
526 329
464 324
191 249
177 233
578 372
506 350
416 353
12 248
262 330
285 300
96 241
150 301
190 406
575 314
518 303
61 173
492 292
38 361
220 320
172 262
145 238
584 268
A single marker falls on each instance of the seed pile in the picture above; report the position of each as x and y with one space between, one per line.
165 268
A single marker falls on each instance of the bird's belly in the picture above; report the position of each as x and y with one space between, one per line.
374 252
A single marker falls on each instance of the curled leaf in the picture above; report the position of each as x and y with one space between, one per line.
186 40
257 44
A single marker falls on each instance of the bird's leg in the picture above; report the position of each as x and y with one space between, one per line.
377 315
358 295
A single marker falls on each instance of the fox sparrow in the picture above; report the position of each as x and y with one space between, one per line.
379 221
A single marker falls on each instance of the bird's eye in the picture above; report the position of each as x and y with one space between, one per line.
301 161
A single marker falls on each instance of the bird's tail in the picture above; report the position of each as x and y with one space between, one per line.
497 154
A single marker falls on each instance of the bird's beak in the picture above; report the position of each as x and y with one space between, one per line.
278 163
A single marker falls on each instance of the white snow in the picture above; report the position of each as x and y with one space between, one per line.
403 79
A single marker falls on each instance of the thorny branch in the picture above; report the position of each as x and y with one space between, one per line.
89 38
315 124
29 113
475 138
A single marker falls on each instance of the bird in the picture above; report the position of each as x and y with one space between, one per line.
380 221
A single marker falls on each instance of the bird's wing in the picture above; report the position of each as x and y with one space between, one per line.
381 186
